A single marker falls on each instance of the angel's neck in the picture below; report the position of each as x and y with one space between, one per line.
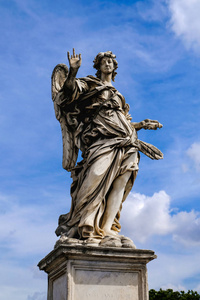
106 79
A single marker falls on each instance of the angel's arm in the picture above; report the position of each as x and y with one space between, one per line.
75 63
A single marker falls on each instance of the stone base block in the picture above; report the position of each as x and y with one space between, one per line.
96 273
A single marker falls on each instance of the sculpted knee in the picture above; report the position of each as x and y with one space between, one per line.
120 182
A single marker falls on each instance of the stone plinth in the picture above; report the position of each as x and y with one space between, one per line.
87 273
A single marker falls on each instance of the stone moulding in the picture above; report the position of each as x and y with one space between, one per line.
86 272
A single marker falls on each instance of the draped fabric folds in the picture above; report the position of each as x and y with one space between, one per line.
104 134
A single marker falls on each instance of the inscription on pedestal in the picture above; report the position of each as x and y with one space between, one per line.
105 285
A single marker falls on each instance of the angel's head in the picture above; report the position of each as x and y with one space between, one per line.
105 62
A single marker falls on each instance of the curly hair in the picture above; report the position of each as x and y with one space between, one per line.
97 63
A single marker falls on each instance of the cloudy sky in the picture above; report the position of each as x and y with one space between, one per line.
157 43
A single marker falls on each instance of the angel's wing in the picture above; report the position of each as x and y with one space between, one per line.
70 151
58 77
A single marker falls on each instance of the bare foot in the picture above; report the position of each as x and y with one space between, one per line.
111 233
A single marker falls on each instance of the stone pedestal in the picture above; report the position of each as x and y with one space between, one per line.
96 273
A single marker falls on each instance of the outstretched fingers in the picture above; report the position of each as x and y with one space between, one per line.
68 55
156 124
74 55
74 60
151 124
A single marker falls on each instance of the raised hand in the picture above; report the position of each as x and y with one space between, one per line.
74 60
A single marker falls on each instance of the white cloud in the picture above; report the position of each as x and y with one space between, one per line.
185 21
30 231
26 230
26 235
18 282
144 216
154 12
187 229
173 269
194 153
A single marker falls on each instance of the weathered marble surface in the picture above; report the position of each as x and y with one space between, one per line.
108 241
88 273
95 120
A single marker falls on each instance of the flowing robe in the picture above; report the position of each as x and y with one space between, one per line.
104 134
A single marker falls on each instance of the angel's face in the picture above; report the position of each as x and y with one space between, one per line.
107 65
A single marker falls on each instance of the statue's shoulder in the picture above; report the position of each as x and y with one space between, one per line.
91 79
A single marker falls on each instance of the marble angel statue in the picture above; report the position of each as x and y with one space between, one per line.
94 119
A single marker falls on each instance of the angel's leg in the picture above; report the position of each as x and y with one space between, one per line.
114 202
115 199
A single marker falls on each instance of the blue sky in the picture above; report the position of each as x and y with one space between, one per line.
157 44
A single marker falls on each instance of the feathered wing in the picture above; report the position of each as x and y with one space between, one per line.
70 151
150 150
